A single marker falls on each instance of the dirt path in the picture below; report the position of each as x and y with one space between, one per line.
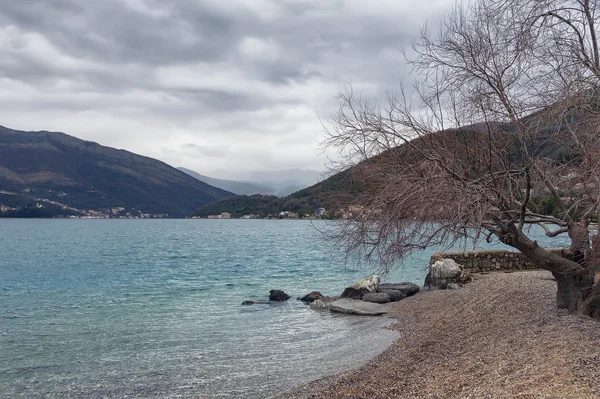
499 337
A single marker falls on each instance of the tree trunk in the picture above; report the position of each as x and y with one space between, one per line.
572 291
590 306
576 289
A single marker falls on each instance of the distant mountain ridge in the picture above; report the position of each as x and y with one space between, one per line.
86 175
339 192
237 187
329 194
284 181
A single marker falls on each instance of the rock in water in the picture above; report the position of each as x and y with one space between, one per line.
444 273
376 297
360 308
407 289
322 303
311 297
364 286
353 293
370 284
278 295
250 302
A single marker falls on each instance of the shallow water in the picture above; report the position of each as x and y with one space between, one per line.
151 308
148 308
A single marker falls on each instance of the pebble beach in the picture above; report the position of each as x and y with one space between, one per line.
500 336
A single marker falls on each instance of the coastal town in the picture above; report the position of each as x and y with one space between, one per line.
319 213
42 207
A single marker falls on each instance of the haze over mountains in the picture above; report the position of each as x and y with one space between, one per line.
274 182
236 187
63 171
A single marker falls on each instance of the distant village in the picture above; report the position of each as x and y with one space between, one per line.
42 204
320 213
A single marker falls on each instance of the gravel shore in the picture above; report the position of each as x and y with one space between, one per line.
499 337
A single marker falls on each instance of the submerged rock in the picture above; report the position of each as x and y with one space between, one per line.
251 302
407 289
360 308
278 295
311 297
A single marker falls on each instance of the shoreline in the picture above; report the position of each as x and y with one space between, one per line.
500 336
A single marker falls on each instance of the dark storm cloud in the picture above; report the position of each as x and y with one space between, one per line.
197 67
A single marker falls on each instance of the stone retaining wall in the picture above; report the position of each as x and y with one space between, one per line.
489 260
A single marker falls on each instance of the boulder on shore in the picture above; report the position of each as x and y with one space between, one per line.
376 297
360 308
407 289
278 295
395 295
311 297
445 273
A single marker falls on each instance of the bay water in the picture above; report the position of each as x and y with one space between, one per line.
152 308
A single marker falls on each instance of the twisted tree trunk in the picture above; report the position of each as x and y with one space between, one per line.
574 271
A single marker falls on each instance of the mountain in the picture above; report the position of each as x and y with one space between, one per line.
241 205
71 173
330 194
284 181
237 187
340 191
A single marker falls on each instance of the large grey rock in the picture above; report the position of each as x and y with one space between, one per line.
278 295
360 308
407 289
444 273
376 297
395 295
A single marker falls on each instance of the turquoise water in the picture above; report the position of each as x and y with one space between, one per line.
151 308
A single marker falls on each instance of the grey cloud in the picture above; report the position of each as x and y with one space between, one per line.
208 151
270 64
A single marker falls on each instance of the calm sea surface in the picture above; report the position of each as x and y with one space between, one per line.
151 308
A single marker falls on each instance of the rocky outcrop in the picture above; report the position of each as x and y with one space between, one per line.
407 289
376 297
278 295
311 297
360 308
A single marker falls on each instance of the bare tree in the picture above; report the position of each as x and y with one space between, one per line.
504 113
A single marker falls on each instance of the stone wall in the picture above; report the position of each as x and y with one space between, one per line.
489 260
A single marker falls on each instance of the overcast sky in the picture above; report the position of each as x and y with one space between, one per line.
212 85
